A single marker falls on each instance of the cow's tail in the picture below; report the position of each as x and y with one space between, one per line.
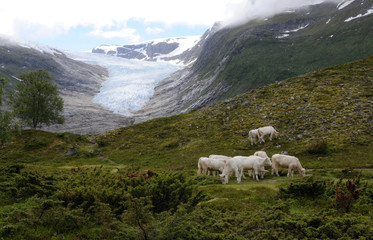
199 167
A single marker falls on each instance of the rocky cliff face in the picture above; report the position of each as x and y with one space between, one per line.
234 60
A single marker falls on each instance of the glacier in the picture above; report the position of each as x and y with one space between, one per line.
130 83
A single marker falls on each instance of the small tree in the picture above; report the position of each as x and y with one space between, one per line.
36 100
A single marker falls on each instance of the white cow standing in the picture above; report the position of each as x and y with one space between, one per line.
238 164
262 171
290 162
253 136
264 131
211 164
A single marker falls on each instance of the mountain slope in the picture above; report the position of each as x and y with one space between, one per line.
235 60
77 83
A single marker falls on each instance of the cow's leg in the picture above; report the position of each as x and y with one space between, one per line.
256 174
290 170
238 174
242 172
262 172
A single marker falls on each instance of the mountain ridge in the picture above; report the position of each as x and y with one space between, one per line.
165 49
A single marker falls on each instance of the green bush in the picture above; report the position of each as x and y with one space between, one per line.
169 190
308 188
17 185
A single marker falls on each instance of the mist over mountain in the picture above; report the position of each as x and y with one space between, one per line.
242 13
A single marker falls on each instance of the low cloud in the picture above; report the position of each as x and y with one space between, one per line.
245 11
34 31
38 19
154 31
125 33
45 16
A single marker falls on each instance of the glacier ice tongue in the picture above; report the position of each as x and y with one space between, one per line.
130 83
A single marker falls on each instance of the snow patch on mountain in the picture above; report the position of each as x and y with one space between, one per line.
165 49
287 32
344 4
107 48
185 43
369 11
5 39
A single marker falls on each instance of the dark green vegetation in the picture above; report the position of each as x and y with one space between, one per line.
140 182
35 100
256 54
99 204
7 124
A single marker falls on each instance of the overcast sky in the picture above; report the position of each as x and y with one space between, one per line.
80 25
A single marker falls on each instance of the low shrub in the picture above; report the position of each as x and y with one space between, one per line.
346 194
36 143
308 188
17 185
318 147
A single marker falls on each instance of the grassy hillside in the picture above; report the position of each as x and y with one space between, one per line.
334 105
105 191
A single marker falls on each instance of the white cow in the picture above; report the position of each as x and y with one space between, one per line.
261 154
222 159
255 163
262 170
231 165
290 162
239 163
264 131
253 136
207 165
